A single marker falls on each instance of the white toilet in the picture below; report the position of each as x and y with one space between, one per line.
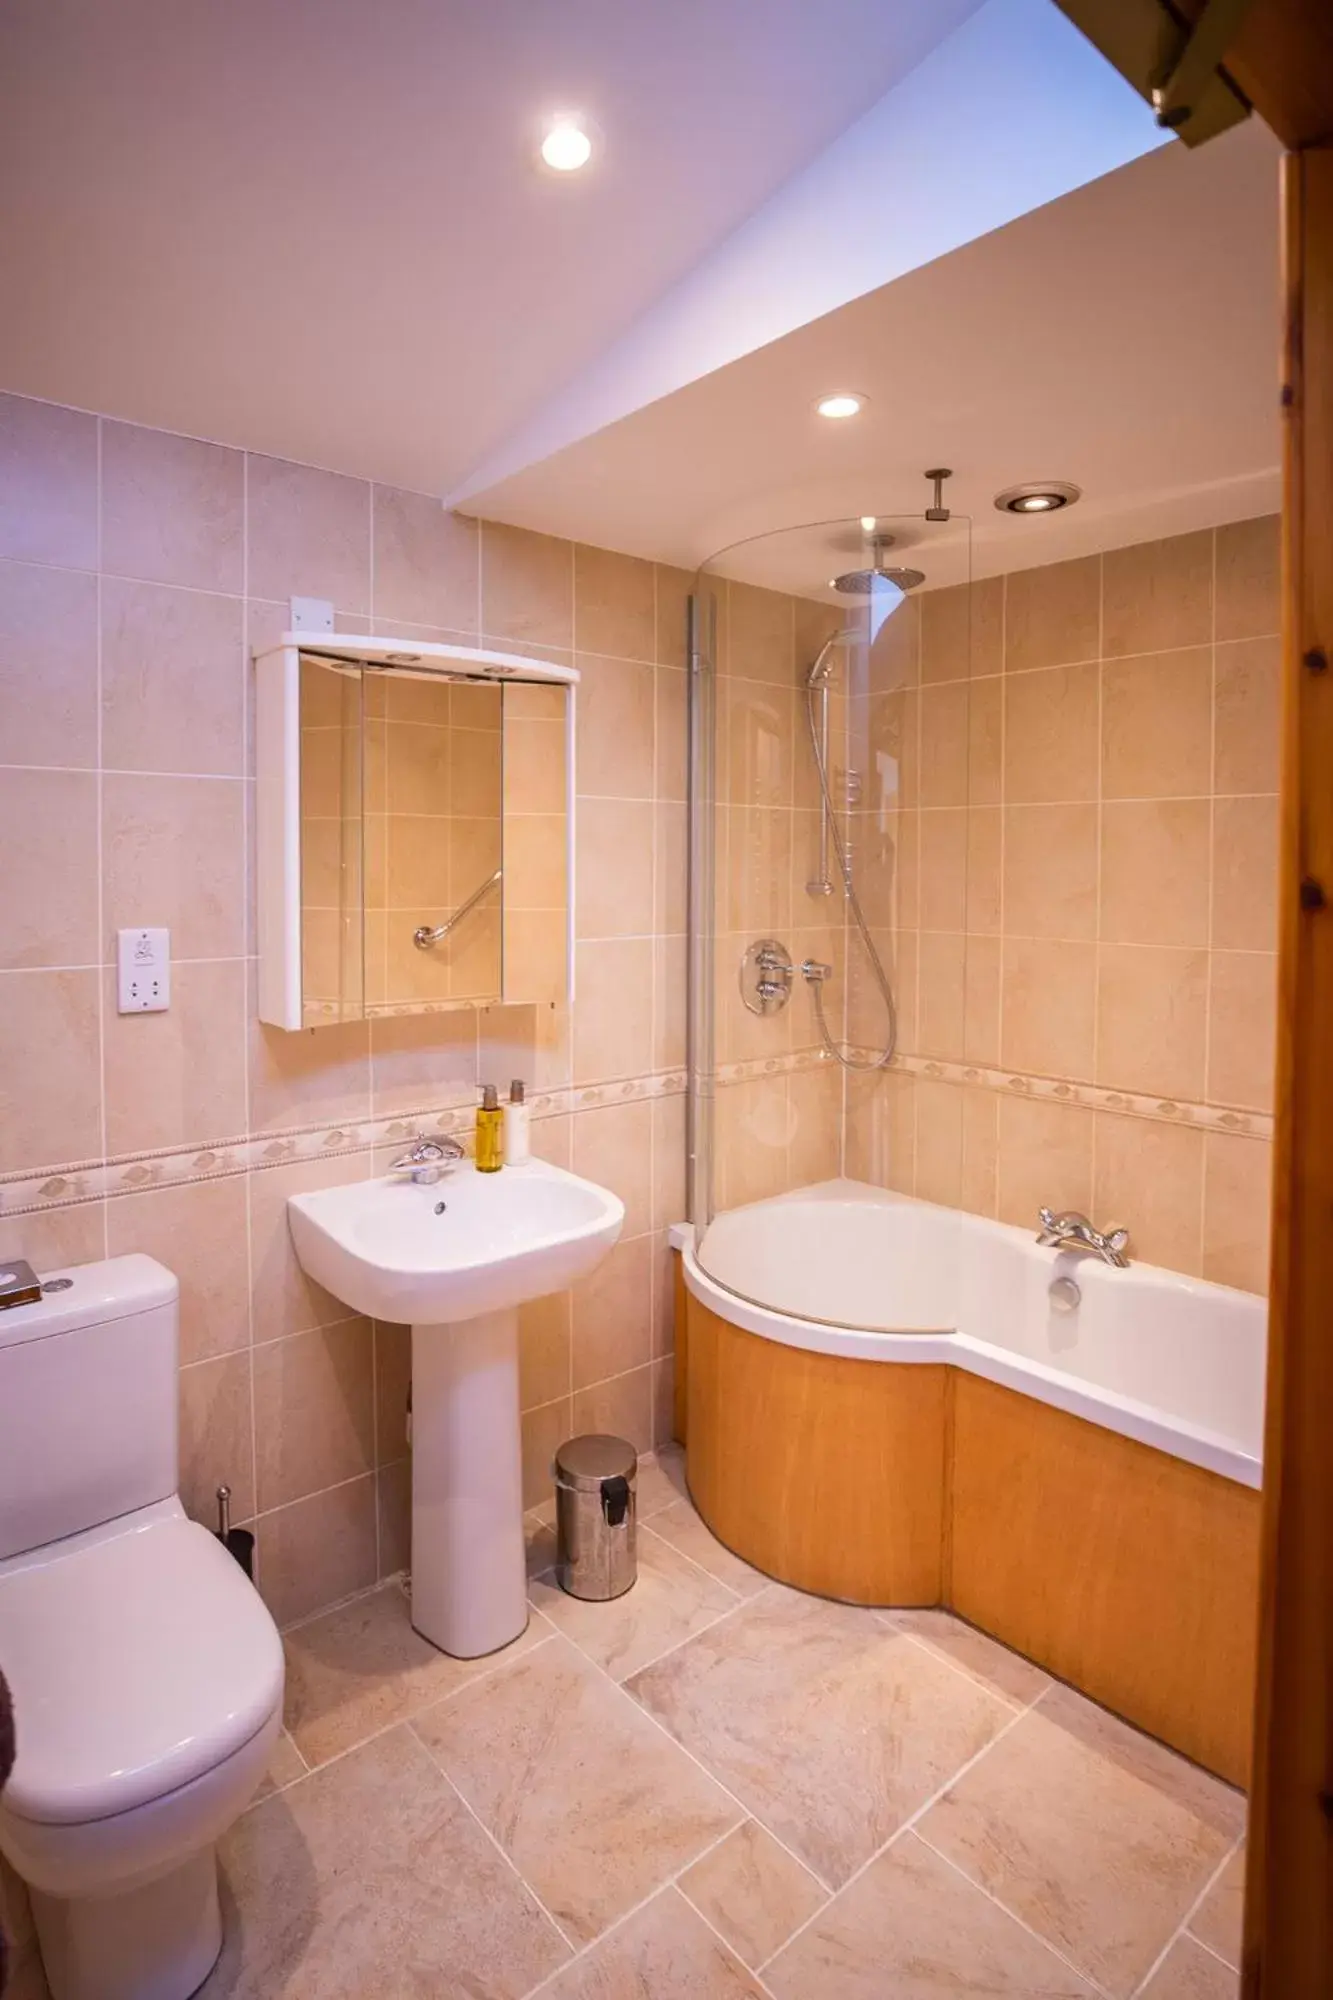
146 1673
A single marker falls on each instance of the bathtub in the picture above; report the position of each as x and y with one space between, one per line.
882 1402
847 1269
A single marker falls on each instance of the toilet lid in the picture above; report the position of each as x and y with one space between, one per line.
135 1665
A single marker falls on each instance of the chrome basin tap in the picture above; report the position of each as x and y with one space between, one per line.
427 1160
1072 1231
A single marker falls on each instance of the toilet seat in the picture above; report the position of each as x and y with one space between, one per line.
140 1660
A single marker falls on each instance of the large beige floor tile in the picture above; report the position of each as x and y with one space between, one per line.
661 1481
911 1927
371 1877
752 1891
828 1725
1094 1835
357 1670
672 1599
285 1766
1188 1972
1007 1674
593 1805
1219 1918
681 1526
663 1952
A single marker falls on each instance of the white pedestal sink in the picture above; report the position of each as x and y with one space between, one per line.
455 1260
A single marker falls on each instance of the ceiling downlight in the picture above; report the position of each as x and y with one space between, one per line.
1038 496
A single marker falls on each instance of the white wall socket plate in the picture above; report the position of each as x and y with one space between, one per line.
143 966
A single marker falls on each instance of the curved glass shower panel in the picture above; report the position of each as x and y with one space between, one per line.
839 852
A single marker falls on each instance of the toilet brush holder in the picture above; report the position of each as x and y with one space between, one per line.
238 1542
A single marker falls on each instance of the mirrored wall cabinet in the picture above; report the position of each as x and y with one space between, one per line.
415 824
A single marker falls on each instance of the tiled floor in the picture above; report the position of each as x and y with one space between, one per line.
711 1789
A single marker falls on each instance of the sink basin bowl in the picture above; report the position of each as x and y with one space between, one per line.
469 1244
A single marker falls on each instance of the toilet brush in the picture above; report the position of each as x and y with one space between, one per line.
238 1542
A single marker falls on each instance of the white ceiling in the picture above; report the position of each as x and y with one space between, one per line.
314 227
1124 337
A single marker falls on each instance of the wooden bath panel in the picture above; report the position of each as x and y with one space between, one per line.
1122 1569
826 1472
1127 1572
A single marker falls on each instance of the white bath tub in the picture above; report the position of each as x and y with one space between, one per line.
848 1269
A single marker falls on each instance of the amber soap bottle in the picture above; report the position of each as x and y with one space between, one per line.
490 1131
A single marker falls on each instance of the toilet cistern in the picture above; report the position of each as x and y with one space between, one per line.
457 1271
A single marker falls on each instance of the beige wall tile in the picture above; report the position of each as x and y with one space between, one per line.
615 604
1044 1158
318 1550
172 509
671 869
962 630
674 587
50 1111
1245 873
200 1231
309 533
314 1411
1237 1201
1248 581
48 665
173 853
1151 1004
426 561
177 1078
672 734
984 869
215 1447
315 1077
669 1011
1249 715
985 724
1157 595
527 586
1049 1005
1148 1178
615 711
982 985
614 869
1050 871
393 1374
613 1021
944 745
623 1407
612 1314
814 1137
981 1151
52 1238
943 880
173 680
48 483
419 1061
939 1142
941 996
1050 736
1242 1029
614 1146
48 837
545 1350
283 1299
1155 871
760 634
1157 725
881 1130
543 1432
1051 614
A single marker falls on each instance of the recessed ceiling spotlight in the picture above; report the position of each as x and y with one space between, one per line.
867 524
567 145
1037 496
846 403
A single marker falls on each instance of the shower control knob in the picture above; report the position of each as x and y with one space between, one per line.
766 975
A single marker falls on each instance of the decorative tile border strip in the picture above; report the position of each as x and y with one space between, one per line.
28 1193
1009 1083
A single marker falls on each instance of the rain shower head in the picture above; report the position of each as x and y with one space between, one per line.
861 582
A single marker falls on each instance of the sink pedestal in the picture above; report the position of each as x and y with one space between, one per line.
469 1566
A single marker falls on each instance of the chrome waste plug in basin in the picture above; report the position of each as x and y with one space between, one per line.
595 1507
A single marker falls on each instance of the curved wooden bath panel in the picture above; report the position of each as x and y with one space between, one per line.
1126 1572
